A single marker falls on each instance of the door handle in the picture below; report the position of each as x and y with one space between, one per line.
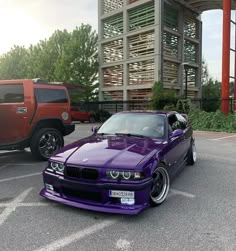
21 110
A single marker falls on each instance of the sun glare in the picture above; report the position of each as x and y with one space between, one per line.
19 28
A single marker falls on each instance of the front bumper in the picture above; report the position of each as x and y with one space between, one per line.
95 196
68 129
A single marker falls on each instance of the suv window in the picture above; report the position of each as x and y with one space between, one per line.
11 93
44 95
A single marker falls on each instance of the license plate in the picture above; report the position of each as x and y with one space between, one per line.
121 194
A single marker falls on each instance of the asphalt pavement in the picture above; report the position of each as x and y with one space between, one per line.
199 213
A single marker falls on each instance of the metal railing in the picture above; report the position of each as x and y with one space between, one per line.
205 104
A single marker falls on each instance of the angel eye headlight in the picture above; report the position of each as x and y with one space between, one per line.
126 175
57 167
54 166
61 167
114 174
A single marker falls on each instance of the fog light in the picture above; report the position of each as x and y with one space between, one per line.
49 187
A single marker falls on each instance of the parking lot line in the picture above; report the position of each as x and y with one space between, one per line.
30 204
185 194
20 177
13 205
123 245
227 137
58 244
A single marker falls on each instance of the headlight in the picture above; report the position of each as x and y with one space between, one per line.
124 175
56 167
114 174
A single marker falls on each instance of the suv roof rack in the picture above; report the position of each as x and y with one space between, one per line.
39 81
45 82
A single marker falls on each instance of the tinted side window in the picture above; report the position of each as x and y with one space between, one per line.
182 121
11 93
173 123
44 95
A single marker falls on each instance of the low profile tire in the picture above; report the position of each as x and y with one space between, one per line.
160 186
91 119
45 143
192 154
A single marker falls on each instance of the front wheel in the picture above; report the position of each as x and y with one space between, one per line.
192 154
160 186
45 143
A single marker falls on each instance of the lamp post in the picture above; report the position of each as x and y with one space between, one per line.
185 65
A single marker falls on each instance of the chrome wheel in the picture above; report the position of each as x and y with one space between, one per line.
160 186
48 144
194 150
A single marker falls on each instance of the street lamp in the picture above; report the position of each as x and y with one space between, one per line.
186 67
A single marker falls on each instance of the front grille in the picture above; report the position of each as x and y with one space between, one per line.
72 171
83 173
81 194
91 174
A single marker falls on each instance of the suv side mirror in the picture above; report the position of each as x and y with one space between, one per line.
94 129
177 133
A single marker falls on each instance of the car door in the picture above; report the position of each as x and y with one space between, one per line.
14 113
176 146
187 133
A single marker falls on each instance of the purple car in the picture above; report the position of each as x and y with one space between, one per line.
125 166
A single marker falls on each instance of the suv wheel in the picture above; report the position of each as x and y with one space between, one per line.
45 143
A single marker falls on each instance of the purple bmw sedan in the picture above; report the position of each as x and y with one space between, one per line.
125 166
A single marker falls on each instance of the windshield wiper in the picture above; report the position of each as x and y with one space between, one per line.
131 135
103 133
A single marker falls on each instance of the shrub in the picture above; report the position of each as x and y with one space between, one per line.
102 115
212 121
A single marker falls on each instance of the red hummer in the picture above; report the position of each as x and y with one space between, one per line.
35 114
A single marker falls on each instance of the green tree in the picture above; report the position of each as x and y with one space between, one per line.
70 57
211 93
14 64
162 98
205 72
79 62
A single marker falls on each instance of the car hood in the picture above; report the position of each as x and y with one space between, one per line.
111 151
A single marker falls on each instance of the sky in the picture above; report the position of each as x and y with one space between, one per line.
25 22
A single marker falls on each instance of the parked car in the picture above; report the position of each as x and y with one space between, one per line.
82 116
34 114
125 166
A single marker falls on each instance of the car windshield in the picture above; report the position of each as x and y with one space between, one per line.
135 124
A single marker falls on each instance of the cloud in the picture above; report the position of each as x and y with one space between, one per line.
212 42
26 22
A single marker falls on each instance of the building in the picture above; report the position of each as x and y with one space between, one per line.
143 41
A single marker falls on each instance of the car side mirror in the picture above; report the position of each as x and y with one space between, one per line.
177 133
94 129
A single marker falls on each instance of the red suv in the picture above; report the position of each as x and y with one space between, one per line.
35 114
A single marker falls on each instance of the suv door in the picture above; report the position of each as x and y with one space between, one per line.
14 113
